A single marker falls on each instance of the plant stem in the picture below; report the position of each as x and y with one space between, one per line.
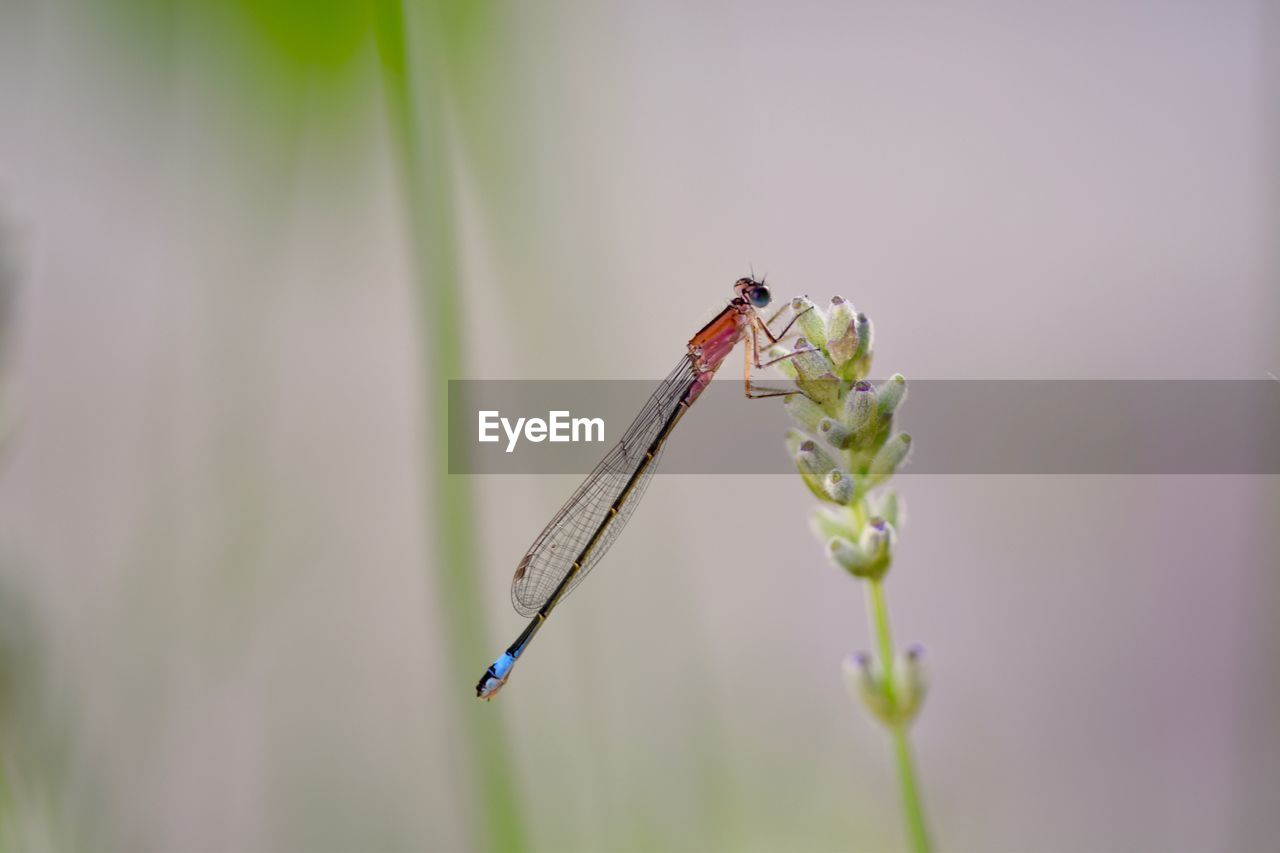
912 808
879 611
414 78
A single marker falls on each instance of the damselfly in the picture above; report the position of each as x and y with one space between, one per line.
591 520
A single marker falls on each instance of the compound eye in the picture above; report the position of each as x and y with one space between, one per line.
759 296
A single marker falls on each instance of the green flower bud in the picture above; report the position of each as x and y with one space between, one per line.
849 556
816 378
842 332
859 365
813 459
863 679
871 556
840 486
890 395
795 438
888 459
835 433
805 412
810 320
890 507
827 522
865 337
785 367
859 413
910 683
809 361
876 543
814 463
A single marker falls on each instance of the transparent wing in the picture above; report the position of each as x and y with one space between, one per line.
561 543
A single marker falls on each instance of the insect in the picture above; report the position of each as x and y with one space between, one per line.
590 521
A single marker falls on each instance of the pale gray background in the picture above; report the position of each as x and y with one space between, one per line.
211 516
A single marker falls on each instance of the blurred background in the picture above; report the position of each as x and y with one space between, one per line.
244 245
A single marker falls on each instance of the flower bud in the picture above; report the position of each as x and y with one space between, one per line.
784 366
865 683
813 459
835 433
808 360
814 463
910 683
805 412
865 337
890 507
890 395
888 459
842 332
876 543
840 486
815 377
794 439
859 413
827 522
810 320
847 555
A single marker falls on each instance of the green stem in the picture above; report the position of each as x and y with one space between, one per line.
416 93
880 626
912 808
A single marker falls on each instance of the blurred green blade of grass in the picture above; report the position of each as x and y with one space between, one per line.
287 64
286 34
416 54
